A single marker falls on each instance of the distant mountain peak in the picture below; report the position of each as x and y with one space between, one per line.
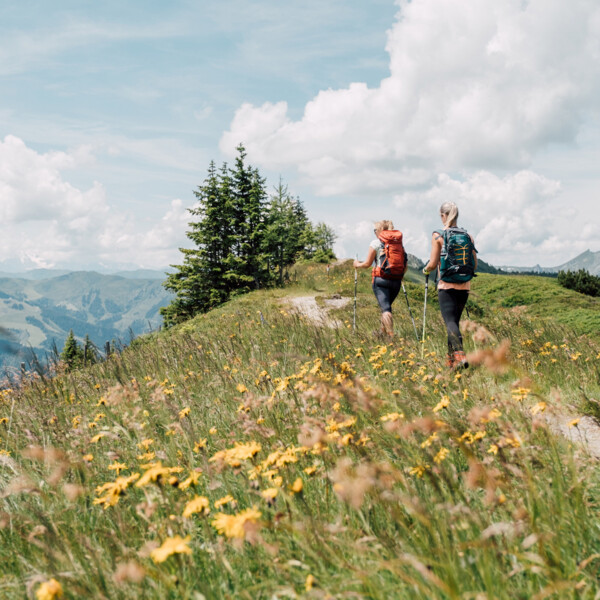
588 260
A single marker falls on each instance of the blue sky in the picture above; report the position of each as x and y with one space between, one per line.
110 113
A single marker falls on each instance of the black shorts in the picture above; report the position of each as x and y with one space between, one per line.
385 291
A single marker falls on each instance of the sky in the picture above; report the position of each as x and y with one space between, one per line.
111 112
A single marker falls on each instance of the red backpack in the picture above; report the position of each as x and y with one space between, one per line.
392 262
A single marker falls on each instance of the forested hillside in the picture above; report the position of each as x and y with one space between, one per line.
39 313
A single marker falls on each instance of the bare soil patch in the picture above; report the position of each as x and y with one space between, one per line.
308 307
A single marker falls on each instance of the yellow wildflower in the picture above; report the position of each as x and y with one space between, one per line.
539 407
234 456
419 470
441 455
199 445
113 490
574 422
88 457
224 500
430 440
443 403
393 416
297 486
192 480
513 441
49 590
117 466
520 394
212 430
183 413
270 493
198 505
310 581
147 456
346 439
155 472
234 526
493 449
173 545
241 388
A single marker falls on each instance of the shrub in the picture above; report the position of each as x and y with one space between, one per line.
581 281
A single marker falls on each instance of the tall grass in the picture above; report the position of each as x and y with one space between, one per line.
334 464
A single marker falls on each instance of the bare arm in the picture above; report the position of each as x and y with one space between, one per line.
436 250
368 261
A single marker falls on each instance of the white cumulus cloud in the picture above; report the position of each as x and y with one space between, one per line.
477 89
48 222
473 83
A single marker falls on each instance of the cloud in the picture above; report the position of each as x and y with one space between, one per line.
477 91
513 218
49 222
31 188
472 85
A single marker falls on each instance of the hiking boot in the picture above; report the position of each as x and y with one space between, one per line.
460 360
449 361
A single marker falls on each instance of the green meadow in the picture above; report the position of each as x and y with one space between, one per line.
252 453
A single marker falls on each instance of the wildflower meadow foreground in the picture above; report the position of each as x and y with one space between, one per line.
252 453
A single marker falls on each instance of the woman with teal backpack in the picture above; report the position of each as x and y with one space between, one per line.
453 253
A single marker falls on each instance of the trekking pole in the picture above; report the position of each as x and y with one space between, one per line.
355 289
410 312
424 313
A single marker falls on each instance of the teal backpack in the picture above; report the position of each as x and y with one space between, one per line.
457 264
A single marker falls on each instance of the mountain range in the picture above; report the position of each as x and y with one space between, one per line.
38 309
588 260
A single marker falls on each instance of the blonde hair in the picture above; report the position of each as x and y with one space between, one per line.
450 210
383 225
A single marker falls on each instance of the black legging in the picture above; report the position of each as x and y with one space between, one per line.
385 291
452 304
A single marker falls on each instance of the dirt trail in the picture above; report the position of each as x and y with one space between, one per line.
308 307
586 432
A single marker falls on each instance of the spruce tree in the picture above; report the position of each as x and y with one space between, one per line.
89 352
247 265
72 353
200 283
324 238
286 223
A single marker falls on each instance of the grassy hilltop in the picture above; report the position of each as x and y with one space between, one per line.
252 454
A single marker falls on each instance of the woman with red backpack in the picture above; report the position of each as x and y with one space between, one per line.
387 251
453 253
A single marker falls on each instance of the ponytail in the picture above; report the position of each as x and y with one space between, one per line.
451 211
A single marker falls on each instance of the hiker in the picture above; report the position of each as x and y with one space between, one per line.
453 253
389 256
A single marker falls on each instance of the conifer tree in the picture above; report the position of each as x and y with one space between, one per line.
241 242
89 352
286 224
200 283
72 353
248 268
